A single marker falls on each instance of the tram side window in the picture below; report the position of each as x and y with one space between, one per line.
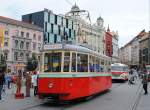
73 69
52 62
97 65
82 63
66 61
102 65
91 64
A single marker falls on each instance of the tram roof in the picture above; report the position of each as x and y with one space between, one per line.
71 47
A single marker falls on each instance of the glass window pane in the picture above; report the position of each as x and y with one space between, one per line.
73 69
52 62
82 63
66 61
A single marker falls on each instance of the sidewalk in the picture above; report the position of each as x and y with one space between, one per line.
144 102
10 103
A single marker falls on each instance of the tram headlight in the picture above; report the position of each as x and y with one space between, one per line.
50 85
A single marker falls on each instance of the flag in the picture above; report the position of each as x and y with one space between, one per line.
1 37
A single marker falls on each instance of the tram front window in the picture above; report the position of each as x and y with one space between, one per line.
52 62
117 68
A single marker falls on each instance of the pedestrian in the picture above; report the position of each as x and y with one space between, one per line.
2 82
9 79
34 82
131 77
145 81
28 84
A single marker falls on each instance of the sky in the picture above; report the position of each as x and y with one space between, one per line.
128 17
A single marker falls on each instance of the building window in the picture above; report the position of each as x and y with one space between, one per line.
39 38
59 31
7 32
34 36
27 56
62 21
27 45
34 46
45 26
55 19
48 17
22 34
16 56
52 28
27 35
70 33
21 45
72 24
21 56
55 38
16 43
39 46
48 37
66 23
6 43
6 56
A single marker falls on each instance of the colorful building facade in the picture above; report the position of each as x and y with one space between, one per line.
108 43
21 40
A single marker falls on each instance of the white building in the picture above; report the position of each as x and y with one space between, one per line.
20 41
135 52
125 54
115 55
89 35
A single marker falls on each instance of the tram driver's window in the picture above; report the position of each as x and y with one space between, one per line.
66 61
52 62
55 59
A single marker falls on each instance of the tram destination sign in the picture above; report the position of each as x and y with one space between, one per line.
52 47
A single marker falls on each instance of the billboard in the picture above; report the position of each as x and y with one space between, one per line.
1 36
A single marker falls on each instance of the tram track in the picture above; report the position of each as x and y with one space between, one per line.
63 106
137 98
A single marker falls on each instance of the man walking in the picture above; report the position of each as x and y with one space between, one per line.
145 82
2 81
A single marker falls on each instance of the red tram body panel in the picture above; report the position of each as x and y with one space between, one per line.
72 88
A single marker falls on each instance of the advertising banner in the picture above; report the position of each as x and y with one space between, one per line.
1 36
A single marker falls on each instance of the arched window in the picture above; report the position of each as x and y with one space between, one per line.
21 56
16 43
34 36
21 45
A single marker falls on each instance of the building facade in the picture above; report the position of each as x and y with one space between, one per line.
56 28
20 41
70 27
125 54
115 48
144 44
108 43
87 34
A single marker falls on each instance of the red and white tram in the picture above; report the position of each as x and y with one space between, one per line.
119 71
70 72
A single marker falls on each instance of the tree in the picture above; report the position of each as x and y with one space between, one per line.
3 65
32 63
